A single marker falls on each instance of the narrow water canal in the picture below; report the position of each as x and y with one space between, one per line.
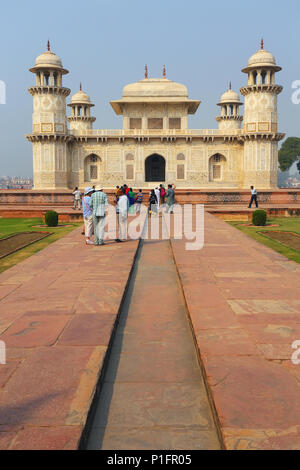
153 394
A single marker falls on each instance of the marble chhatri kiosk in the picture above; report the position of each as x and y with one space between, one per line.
155 144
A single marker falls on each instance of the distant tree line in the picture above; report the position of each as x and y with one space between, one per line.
289 153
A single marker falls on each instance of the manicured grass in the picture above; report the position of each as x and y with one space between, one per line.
10 226
287 224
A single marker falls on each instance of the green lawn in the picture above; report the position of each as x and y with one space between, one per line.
10 226
287 224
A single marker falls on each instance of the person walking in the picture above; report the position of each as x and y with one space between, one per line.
131 197
123 206
162 193
99 203
88 215
152 203
170 194
157 194
253 197
138 201
77 199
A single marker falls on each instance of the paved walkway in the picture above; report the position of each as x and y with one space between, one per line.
57 311
244 303
153 395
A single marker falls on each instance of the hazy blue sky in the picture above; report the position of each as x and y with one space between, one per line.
106 43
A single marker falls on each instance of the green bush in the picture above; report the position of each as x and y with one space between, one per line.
259 217
51 218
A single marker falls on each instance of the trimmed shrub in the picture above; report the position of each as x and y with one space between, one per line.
259 217
51 218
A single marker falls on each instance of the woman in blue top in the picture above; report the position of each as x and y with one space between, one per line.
88 215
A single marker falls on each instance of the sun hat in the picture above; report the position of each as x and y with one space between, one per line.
99 187
88 190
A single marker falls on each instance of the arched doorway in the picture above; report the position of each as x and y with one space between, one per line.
92 168
155 168
217 164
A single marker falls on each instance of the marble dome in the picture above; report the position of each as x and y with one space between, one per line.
155 87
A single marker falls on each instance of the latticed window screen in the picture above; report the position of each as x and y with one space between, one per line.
217 158
216 172
93 158
93 172
155 123
129 172
180 172
135 123
174 123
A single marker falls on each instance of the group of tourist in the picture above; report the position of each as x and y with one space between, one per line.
95 201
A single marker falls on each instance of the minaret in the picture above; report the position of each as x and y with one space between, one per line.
81 119
229 118
260 120
50 133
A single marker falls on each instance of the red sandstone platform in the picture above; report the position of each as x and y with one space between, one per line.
64 198
223 211
244 305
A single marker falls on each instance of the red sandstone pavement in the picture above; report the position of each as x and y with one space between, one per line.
244 305
57 312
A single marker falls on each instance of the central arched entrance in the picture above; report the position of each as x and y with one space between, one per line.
155 168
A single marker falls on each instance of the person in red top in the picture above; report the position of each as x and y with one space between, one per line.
162 193
126 189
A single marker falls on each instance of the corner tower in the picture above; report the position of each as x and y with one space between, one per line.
230 118
50 133
261 135
81 118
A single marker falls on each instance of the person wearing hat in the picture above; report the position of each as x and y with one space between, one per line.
88 215
99 203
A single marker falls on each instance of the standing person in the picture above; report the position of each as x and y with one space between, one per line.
119 192
139 200
123 205
162 193
98 203
253 197
126 189
157 194
88 215
77 201
170 194
152 202
131 197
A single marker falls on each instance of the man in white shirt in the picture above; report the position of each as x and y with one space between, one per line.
253 197
122 210
99 205
157 194
77 198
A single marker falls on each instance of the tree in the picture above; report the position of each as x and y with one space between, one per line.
289 152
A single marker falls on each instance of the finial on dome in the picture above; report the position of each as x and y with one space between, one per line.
80 87
146 71
164 71
229 85
262 43
48 46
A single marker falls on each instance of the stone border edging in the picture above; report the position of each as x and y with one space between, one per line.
200 360
99 383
